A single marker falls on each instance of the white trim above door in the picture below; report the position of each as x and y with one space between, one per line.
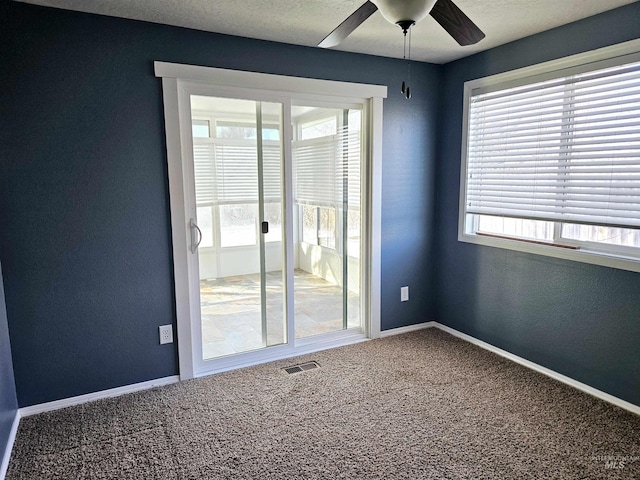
179 81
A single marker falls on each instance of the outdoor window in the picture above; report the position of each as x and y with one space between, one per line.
318 128
200 128
353 233
273 215
226 182
319 226
552 161
205 222
326 163
327 228
238 225
244 130
309 224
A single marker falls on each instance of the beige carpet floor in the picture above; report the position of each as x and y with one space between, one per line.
423 405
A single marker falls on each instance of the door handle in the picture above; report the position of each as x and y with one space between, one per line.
265 227
195 245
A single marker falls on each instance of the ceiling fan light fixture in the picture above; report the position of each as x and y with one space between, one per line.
397 11
405 13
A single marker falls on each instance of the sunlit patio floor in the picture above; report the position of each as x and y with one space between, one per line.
231 319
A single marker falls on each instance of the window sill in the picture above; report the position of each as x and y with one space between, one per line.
550 250
527 240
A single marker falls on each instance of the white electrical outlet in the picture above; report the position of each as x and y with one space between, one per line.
166 334
404 294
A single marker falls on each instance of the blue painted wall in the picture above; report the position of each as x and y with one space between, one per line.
8 400
84 225
577 319
84 220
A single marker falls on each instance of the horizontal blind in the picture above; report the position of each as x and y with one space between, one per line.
314 170
237 173
566 149
352 157
205 173
226 171
272 171
327 169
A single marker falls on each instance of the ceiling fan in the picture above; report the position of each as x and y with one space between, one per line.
405 13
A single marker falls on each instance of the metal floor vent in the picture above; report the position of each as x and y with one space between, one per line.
302 367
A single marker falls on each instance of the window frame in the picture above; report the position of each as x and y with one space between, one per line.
609 255
177 80
314 118
213 122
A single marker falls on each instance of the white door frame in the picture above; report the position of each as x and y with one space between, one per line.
177 82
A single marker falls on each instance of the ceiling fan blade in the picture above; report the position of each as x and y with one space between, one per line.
456 23
352 22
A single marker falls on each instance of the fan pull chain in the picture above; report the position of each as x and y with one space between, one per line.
409 68
405 89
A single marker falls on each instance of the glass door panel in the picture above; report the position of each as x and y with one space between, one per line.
269 120
327 157
237 148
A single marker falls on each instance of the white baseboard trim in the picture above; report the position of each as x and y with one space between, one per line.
544 370
407 329
89 397
4 466
115 392
618 402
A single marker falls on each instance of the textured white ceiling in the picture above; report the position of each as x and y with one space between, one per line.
307 22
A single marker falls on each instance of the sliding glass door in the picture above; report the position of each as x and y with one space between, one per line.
237 166
327 157
275 234
274 187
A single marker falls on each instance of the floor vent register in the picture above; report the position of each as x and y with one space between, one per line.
302 367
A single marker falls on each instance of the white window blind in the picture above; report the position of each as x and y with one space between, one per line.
565 149
226 171
327 169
